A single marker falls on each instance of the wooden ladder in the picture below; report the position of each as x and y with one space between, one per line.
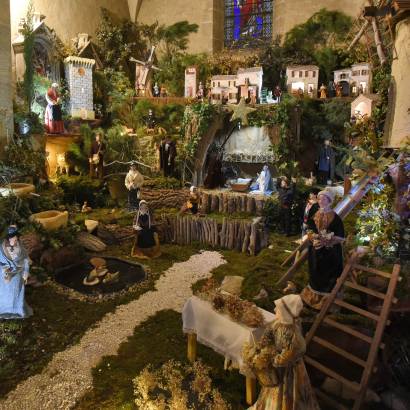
347 279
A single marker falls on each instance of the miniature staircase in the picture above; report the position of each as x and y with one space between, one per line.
347 279
343 208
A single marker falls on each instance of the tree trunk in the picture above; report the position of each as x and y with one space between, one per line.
245 244
214 203
220 203
359 35
250 205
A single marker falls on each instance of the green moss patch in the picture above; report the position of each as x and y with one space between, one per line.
157 340
61 320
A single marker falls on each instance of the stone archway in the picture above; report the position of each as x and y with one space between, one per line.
46 59
203 146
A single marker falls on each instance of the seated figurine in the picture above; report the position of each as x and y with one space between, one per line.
146 243
192 205
263 184
14 272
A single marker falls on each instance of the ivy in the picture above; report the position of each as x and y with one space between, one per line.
198 117
28 34
279 116
377 225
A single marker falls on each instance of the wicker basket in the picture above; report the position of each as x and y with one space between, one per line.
242 187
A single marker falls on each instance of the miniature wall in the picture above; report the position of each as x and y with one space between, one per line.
208 14
6 97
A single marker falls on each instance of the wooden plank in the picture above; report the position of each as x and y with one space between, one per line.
331 373
372 270
290 272
339 351
363 289
377 336
250 390
356 309
191 351
328 302
350 331
303 245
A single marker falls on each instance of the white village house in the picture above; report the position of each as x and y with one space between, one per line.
302 77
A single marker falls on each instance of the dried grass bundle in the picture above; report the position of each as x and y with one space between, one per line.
252 316
218 302
234 307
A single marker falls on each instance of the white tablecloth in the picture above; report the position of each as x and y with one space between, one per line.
219 331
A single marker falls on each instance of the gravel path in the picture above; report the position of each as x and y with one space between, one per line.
68 376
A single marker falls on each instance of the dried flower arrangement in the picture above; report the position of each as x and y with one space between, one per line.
177 386
239 310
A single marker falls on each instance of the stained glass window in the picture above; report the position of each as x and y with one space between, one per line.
247 22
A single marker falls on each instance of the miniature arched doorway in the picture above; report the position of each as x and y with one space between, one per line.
345 88
198 173
45 57
47 65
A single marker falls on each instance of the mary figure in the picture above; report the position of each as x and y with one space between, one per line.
263 183
14 272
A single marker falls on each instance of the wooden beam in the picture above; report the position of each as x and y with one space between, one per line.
339 351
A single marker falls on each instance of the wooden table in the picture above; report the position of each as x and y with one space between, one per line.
219 332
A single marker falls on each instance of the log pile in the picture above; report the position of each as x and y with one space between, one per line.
240 235
164 198
231 202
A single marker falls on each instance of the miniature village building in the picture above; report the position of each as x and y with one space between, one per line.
363 105
250 83
224 89
246 83
355 80
302 79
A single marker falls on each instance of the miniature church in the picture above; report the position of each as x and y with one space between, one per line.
204 205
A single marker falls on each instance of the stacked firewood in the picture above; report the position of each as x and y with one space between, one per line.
164 198
234 234
228 203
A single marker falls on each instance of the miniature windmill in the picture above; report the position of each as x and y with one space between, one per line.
143 72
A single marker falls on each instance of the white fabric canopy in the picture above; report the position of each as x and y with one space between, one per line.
219 331
249 144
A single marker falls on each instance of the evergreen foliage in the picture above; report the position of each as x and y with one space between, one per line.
28 34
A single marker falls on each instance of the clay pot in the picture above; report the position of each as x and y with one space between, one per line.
90 224
18 189
51 220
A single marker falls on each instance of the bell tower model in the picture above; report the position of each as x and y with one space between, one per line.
79 76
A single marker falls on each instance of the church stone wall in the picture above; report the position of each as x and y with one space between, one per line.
289 13
398 121
69 17
208 14
6 92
